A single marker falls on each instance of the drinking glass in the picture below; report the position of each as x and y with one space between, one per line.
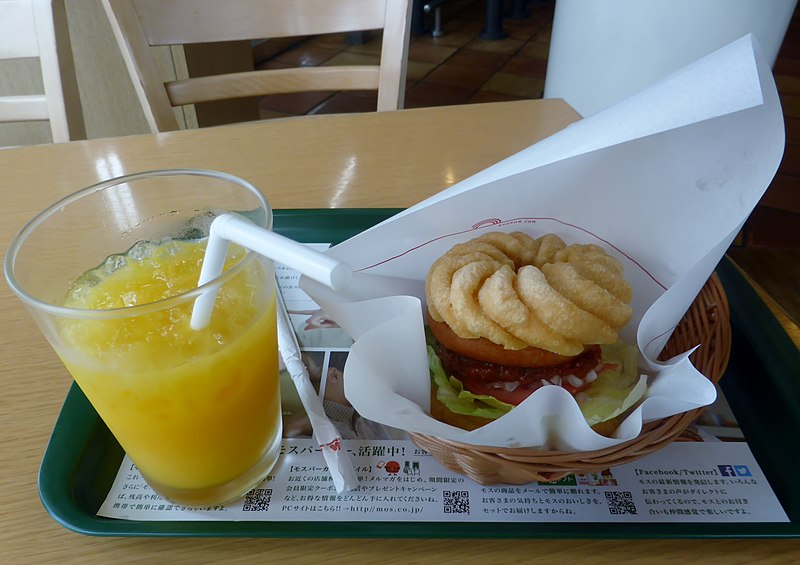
110 275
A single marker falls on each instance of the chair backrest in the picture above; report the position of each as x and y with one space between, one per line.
140 24
38 29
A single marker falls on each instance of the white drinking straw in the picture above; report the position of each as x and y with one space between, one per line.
232 228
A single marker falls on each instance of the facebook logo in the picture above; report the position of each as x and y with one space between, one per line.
734 471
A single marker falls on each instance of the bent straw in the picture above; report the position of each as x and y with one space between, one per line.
229 228
232 228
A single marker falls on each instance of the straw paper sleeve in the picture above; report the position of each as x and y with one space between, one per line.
325 433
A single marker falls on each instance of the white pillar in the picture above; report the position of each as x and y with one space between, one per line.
602 51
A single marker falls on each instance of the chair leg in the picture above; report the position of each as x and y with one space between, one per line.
435 6
519 10
493 26
418 18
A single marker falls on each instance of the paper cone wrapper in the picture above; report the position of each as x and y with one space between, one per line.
663 181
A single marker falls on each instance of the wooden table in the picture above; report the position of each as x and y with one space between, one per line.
391 159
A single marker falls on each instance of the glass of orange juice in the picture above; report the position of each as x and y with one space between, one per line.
110 274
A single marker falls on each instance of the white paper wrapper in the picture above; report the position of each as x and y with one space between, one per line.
325 433
663 181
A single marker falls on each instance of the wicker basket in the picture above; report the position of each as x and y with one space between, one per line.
706 321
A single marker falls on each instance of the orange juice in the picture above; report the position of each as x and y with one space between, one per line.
198 411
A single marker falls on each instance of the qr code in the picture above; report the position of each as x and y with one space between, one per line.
456 501
257 500
620 502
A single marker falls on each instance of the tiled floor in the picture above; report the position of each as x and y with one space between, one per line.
461 68
458 67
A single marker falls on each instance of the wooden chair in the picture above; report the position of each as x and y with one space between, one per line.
38 29
140 24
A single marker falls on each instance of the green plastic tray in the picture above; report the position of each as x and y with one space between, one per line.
762 385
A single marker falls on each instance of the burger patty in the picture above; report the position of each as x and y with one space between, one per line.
467 369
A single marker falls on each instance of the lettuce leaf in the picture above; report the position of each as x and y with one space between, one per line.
614 391
450 392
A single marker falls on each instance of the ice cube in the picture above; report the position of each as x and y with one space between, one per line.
114 262
142 250
77 292
87 279
129 298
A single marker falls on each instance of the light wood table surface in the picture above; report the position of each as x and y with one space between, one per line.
391 159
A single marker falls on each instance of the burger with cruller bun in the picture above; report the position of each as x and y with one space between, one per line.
508 314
